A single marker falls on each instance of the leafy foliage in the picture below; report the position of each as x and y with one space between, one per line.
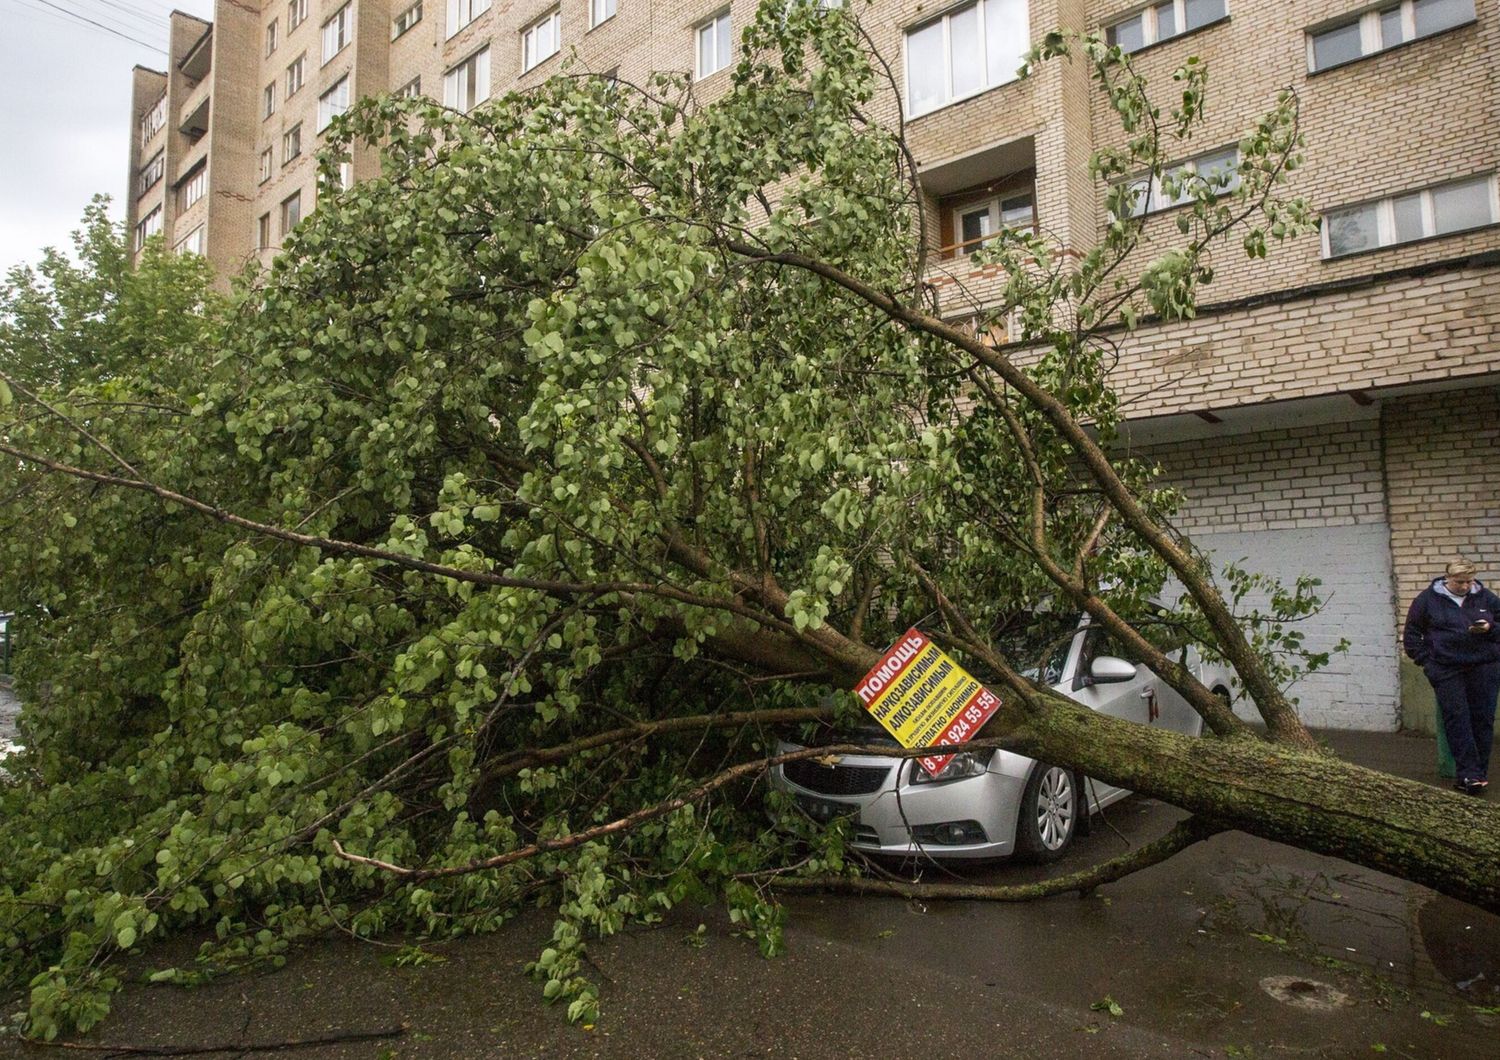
592 468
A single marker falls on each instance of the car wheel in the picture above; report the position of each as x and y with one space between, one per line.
1050 809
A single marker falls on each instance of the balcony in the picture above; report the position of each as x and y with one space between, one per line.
193 122
196 64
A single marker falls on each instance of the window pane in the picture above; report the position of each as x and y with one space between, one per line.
1129 35
481 77
725 45
1335 46
1166 21
926 78
1016 211
1197 13
975 224
1434 15
1351 229
1007 33
1408 211
706 64
1140 196
967 51
1220 170
1390 28
1462 205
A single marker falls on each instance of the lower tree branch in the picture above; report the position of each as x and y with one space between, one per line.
1183 835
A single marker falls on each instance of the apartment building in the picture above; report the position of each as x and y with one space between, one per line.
1332 410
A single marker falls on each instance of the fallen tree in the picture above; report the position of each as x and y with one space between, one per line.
468 557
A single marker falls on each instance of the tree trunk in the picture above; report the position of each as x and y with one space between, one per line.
1447 841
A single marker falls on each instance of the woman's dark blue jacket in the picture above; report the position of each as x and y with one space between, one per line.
1437 631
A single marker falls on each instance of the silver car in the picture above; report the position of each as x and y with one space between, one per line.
993 804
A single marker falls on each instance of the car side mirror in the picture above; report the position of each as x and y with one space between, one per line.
1107 669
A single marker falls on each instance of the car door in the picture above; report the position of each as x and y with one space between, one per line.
1138 699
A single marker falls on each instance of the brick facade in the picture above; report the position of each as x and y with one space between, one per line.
1406 331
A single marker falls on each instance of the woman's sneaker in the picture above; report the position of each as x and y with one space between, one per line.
1470 787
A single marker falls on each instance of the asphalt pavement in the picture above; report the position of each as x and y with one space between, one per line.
1235 948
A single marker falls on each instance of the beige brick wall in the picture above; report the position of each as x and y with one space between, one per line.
1297 478
1442 458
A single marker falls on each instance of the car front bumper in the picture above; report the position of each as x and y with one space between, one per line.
902 819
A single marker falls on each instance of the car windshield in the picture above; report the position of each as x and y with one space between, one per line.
1037 643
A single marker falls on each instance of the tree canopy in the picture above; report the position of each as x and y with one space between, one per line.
469 556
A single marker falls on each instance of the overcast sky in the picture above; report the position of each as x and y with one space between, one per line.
66 128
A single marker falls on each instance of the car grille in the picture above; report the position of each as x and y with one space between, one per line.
837 780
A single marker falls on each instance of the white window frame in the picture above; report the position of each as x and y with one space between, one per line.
149 226
296 14
267 164
292 137
263 232
151 172
411 90
194 188
455 87
192 243
153 119
1151 22
996 215
406 20
710 28
946 19
601 11
338 31
1385 217
532 42
272 37
462 12
296 75
268 101
1371 36
333 102
1154 200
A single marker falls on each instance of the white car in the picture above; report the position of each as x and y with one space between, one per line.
993 804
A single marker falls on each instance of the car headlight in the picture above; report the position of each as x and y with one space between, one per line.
964 764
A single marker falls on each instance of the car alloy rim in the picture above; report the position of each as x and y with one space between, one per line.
1054 807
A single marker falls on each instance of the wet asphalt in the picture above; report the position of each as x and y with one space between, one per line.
1235 948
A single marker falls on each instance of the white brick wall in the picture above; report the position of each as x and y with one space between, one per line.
1307 500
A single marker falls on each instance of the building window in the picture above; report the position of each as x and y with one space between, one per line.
462 12
333 102
346 175
1456 206
192 189
541 40
1219 170
295 74
337 32
268 101
149 226
966 51
263 232
601 11
266 162
468 83
1384 27
1163 21
153 120
291 143
406 20
271 37
151 172
296 14
974 221
291 212
192 243
715 45
411 90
